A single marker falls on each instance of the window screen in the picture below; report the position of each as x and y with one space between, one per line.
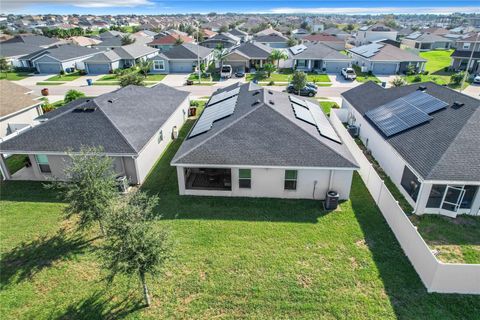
290 180
410 183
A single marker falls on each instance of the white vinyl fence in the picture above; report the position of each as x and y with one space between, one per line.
435 275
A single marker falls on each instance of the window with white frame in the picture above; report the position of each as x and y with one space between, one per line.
290 180
466 45
244 178
158 65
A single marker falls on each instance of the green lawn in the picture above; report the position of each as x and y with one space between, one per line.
155 77
312 77
235 258
49 83
114 78
13 75
285 76
327 106
364 76
108 77
106 83
66 77
457 240
16 162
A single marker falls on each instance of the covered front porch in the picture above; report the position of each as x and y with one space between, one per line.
308 65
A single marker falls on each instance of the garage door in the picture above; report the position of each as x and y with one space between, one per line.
98 68
237 66
181 67
384 68
49 67
335 67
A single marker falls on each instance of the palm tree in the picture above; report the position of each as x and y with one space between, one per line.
277 55
145 67
220 56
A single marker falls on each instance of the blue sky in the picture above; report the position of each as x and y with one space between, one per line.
263 6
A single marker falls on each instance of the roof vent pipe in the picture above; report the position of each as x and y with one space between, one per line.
457 104
422 88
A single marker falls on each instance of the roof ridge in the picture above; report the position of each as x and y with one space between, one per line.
219 131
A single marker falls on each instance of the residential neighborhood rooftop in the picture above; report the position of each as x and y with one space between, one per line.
15 97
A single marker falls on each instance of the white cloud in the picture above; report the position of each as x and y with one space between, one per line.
9 5
384 10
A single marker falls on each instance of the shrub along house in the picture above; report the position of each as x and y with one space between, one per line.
253 142
181 59
133 125
426 139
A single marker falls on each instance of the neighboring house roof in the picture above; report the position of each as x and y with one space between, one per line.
271 38
65 52
254 50
261 134
122 122
35 40
322 37
334 31
110 34
267 32
378 27
438 31
145 33
446 147
15 98
171 39
238 33
110 42
107 56
465 54
225 36
320 51
208 33
384 52
185 51
17 49
427 37
134 51
84 41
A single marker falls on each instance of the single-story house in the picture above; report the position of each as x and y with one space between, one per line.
253 142
272 40
133 125
18 108
381 58
250 55
318 57
463 52
327 39
168 41
58 58
16 47
118 58
244 36
337 33
117 41
426 41
426 139
267 32
181 59
224 40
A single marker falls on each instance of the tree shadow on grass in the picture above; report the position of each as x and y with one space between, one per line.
408 296
27 191
100 306
29 258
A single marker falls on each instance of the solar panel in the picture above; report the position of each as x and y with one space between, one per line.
322 123
298 49
367 50
298 101
303 113
223 95
425 102
213 113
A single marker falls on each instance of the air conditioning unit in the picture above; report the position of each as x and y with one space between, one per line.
174 133
353 130
122 184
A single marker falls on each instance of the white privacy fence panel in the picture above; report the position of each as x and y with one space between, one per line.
435 275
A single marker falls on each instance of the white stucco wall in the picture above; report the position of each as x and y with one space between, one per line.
269 183
154 148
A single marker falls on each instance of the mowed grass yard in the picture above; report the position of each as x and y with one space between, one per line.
235 258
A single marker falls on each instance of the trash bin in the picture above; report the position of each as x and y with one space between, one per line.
44 92
192 112
331 200
89 82
384 84
353 130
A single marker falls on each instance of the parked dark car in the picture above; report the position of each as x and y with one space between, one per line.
312 85
305 91
240 74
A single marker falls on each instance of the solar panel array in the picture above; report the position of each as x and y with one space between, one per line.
298 49
218 108
404 113
368 50
414 35
312 114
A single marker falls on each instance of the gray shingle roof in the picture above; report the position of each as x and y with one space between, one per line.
107 56
271 38
254 50
445 148
122 123
134 51
321 51
263 135
187 51
387 52
17 49
35 40
67 52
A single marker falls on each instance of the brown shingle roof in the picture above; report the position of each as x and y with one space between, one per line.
14 98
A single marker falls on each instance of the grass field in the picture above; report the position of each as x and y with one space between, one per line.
457 240
235 258
66 77
13 75
285 75
364 76
327 106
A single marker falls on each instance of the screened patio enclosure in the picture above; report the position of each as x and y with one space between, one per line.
208 179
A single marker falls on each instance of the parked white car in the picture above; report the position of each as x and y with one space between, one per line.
349 74
476 79
226 71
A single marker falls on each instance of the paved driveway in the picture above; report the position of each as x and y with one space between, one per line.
338 81
175 80
387 79
32 80
473 90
